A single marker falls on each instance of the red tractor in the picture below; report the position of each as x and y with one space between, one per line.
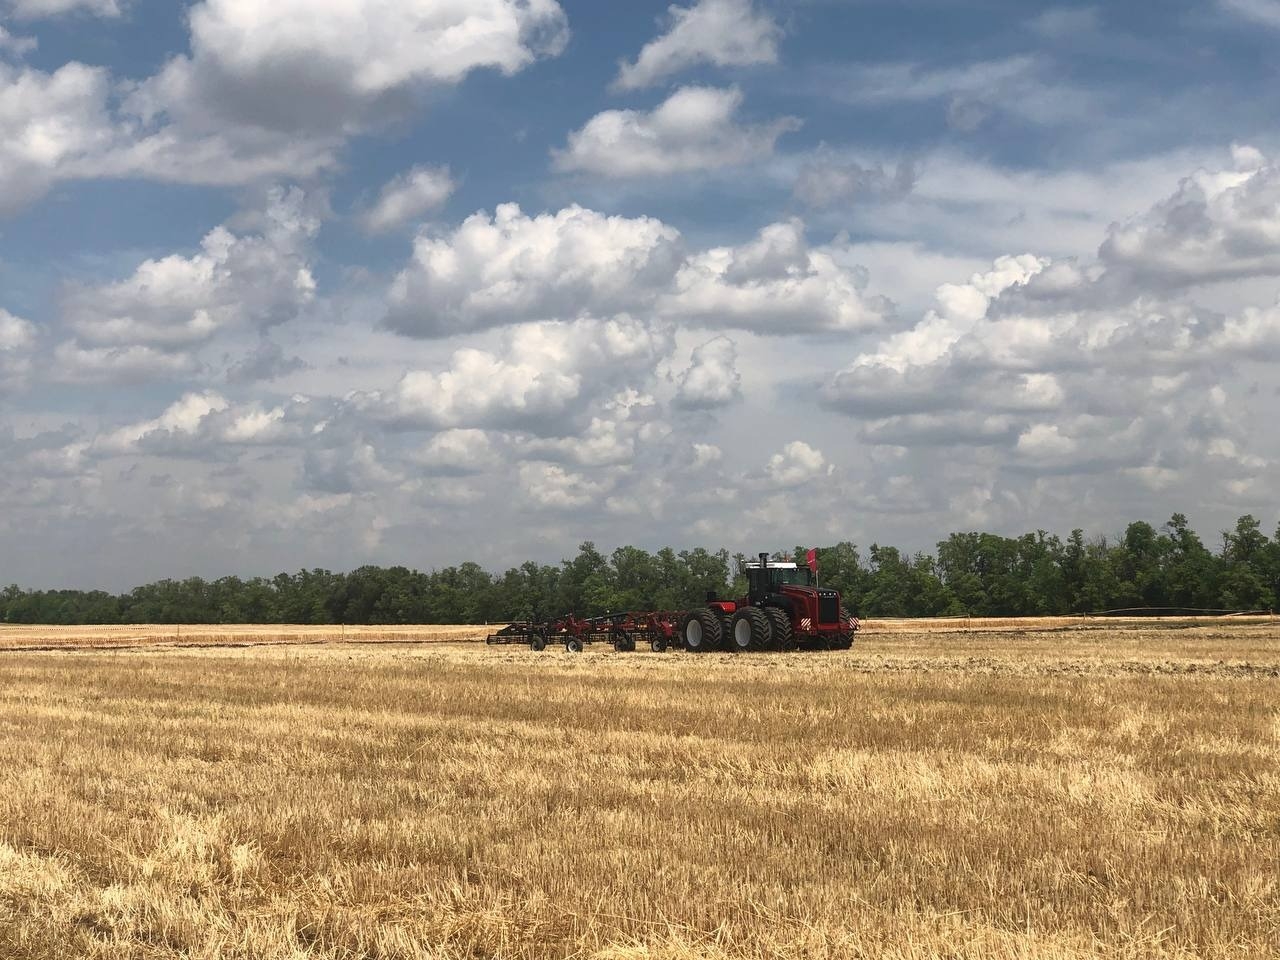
783 608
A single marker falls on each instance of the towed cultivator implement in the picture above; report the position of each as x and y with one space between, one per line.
783 610
626 631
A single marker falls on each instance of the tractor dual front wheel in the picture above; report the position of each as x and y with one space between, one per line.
841 641
784 636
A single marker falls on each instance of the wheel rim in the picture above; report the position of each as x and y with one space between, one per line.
693 633
742 633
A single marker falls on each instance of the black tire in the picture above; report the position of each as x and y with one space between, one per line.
622 643
701 631
658 645
750 630
538 643
573 645
844 639
784 636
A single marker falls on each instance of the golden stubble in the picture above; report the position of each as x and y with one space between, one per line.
1019 794
166 635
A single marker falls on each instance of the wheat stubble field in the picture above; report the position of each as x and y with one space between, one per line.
1110 791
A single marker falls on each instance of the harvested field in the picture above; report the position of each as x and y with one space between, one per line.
1036 793
1076 623
221 635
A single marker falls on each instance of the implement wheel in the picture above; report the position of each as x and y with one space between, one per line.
538 643
701 631
784 637
573 645
658 645
750 630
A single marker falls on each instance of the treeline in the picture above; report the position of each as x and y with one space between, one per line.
1039 574
590 583
970 573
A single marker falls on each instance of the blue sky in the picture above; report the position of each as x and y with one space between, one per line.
322 284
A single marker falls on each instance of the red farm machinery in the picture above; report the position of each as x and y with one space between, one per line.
784 609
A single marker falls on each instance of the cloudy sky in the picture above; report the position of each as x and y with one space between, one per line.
331 282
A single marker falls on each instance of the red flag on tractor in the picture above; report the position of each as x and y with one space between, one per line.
812 558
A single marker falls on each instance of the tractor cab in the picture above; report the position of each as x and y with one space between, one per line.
791 588
766 578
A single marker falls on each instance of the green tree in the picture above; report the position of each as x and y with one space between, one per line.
1190 570
963 569
1246 578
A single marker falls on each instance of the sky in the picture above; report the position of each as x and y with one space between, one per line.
322 283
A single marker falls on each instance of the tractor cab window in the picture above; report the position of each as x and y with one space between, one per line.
800 576
765 581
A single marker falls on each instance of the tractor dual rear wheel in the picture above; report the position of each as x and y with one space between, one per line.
701 631
751 630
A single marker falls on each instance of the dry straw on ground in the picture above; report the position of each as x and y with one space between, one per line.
1013 795
127 636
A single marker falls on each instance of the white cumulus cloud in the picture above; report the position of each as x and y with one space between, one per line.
268 90
1073 368
176 303
540 381
14 44
774 284
73 363
706 454
512 267
720 32
797 464
52 127
296 65
696 128
408 197
184 416
1220 224
550 486
712 378
458 452
15 333
17 341
611 437
825 181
